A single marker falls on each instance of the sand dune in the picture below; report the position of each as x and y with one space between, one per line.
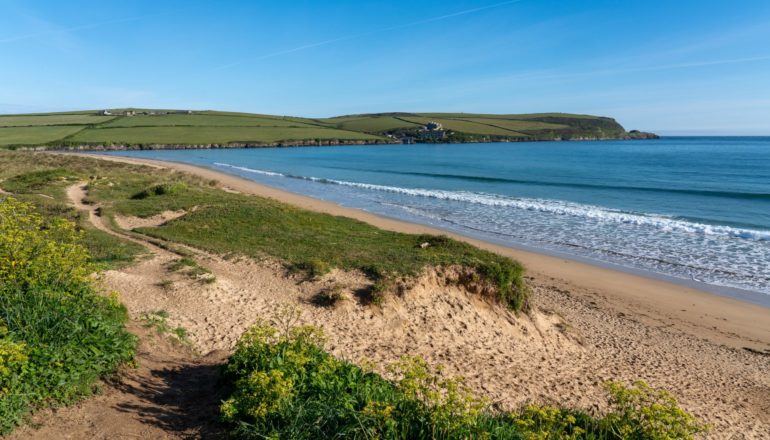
590 325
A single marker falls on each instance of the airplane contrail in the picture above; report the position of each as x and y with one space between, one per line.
364 34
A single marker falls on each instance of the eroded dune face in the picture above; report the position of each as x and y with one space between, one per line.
560 352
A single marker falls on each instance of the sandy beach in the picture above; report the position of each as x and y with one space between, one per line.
590 325
703 314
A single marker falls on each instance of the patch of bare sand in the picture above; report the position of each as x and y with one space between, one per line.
130 222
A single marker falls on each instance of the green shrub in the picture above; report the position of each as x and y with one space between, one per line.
35 181
160 190
284 385
330 296
59 335
641 412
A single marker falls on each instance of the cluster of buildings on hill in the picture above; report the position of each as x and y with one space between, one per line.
146 112
432 131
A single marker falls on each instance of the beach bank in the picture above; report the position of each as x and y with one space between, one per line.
702 314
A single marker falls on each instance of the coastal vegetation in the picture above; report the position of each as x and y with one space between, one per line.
237 224
285 385
141 128
58 333
281 381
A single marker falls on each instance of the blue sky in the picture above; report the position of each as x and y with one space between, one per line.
676 67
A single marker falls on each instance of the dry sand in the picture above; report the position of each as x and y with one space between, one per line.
591 325
721 319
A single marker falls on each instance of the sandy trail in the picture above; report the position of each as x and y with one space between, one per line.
561 353
173 392
76 194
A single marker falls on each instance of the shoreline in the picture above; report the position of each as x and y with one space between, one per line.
721 319
88 148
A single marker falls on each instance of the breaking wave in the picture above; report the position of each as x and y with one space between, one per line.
556 207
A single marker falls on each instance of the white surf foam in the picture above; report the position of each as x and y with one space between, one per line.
541 205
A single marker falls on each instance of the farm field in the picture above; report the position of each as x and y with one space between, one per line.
36 135
29 121
376 124
138 127
202 121
212 134
465 126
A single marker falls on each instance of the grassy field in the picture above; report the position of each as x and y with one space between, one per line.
211 127
42 180
202 121
517 125
36 135
31 121
378 124
226 223
465 126
212 134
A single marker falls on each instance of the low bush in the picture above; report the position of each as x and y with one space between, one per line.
57 334
160 190
36 180
285 386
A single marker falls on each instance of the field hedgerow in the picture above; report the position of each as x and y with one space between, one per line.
57 334
284 385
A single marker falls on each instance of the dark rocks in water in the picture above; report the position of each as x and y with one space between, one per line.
636 134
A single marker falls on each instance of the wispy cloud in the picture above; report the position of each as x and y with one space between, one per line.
365 34
567 76
66 30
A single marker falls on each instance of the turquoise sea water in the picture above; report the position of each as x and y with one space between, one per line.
695 209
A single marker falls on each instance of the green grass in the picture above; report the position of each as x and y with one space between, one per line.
158 320
212 127
35 135
210 135
26 121
518 125
466 126
228 223
201 120
45 188
58 334
306 240
192 269
373 124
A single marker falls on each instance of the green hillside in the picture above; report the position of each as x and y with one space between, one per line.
144 128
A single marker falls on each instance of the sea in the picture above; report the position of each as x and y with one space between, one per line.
694 210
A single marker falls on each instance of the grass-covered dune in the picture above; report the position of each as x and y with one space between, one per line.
141 128
238 224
